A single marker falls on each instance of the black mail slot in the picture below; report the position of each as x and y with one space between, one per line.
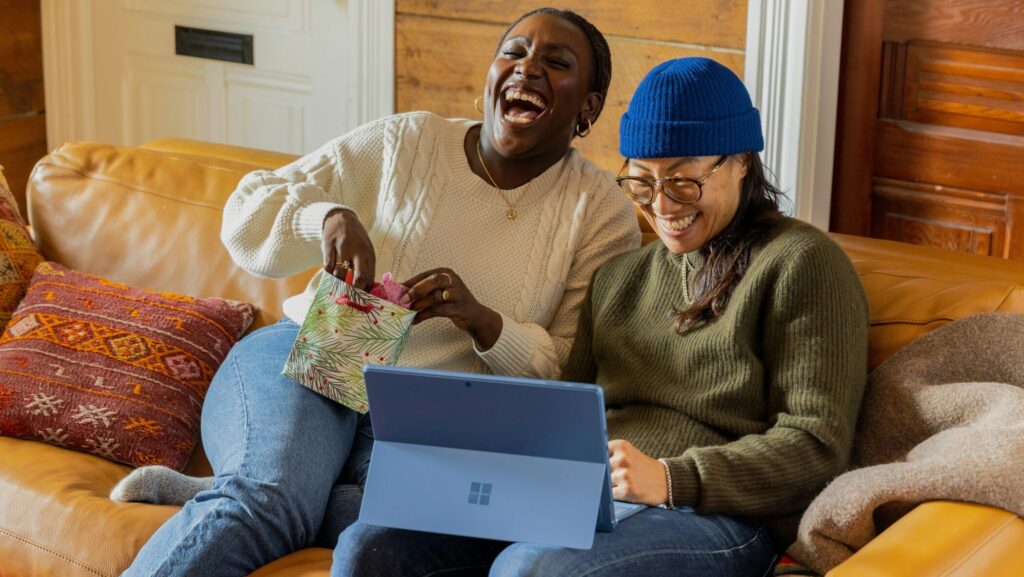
213 44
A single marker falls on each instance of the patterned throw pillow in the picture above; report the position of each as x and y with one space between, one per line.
117 371
18 256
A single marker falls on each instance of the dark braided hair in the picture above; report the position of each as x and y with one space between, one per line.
601 55
728 255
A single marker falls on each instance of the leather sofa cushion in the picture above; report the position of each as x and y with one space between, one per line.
943 539
916 289
141 217
56 520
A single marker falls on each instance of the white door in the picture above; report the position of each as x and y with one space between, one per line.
307 83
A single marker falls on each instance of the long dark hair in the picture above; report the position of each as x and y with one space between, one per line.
601 55
727 256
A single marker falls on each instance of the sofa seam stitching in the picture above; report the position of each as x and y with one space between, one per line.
995 532
912 321
99 177
56 554
930 278
1006 297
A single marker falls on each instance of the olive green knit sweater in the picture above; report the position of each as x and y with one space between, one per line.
755 410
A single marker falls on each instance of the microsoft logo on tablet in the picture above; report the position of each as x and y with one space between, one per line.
480 493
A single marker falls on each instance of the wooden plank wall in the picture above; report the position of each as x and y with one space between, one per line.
22 118
444 48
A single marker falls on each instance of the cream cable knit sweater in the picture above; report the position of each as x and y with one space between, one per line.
407 178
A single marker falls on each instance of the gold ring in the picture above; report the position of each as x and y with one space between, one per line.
449 277
444 295
346 265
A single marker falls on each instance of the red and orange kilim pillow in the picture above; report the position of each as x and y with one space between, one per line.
18 256
117 371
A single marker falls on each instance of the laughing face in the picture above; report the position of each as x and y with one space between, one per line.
687 227
538 88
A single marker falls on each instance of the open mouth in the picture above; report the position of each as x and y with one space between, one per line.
522 107
677 226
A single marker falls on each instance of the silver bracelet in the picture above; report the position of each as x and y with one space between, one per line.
668 478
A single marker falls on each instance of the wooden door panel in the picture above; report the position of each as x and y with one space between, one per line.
952 157
1015 226
952 219
967 87
21 58
991 23
945 129
23 143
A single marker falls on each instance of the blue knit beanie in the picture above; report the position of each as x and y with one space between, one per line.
690 107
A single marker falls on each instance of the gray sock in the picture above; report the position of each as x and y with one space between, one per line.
159 485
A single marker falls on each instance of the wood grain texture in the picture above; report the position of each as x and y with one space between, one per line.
22 143
939 216
1015 226
974 88
859 80
989 23
931 124
721 23
441 66
951 157
21 57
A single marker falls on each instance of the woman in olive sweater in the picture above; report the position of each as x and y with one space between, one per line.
732 354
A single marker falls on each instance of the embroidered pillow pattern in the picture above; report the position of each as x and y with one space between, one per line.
18 255
113 370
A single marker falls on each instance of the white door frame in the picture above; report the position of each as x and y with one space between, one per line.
792 72
374 45
67 71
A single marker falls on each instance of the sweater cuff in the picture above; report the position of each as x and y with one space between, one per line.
308 221
685 481
512 352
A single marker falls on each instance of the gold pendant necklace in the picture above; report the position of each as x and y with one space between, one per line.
511 214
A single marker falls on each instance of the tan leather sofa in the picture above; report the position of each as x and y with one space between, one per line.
150 216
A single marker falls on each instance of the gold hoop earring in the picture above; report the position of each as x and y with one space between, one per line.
476 104
590 126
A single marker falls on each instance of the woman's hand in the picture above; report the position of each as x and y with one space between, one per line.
346 244
441 293
636 478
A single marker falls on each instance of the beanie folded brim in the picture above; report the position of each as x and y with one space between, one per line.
658 138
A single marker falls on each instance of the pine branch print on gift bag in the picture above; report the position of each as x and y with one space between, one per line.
345 329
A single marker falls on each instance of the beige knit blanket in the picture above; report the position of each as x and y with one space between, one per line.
942 419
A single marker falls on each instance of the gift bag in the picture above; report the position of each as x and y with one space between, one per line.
345 329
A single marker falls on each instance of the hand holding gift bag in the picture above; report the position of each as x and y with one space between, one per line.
345 329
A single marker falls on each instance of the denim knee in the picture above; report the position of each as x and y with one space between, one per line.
525 560
283 516
360 552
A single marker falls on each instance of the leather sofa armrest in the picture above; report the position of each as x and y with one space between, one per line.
199 150
943 539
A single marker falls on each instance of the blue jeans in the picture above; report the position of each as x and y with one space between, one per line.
289 466
653 543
